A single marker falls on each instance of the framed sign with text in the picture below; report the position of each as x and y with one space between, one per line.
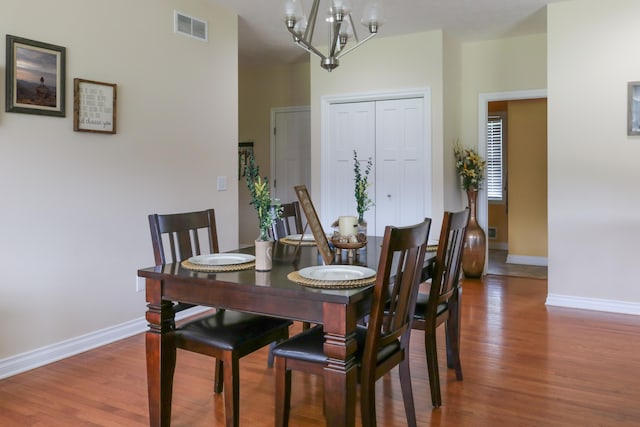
94 106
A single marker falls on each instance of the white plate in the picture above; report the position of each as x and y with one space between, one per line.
221 259
305 237
432 243
336 272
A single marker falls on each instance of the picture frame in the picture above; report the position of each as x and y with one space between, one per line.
35 77
633 108
314 223
245 149
94 106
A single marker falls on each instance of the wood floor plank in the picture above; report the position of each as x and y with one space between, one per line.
524 364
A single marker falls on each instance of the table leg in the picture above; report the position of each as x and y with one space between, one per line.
340 374
161 355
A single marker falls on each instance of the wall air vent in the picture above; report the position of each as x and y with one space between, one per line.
493 232
189 26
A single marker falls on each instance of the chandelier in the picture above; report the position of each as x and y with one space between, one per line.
341 29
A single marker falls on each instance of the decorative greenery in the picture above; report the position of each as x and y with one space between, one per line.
364 203
470 167
268 210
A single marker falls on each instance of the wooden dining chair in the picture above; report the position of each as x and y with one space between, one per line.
383 343
226 335
290 222
441 305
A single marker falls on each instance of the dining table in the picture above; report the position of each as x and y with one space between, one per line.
270 293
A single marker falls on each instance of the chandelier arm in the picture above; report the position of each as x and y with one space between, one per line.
344 52
353 28
311 24
306 45
333 38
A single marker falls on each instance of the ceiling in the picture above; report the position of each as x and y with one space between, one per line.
263 37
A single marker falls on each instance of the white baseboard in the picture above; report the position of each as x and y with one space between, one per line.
527 260
43 356
596 304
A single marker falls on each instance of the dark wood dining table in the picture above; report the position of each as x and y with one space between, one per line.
269 293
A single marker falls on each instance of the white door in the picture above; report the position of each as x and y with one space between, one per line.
392 133
290 152
352 128
400 163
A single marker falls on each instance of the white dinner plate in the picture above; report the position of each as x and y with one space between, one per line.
221 259
432 243
303 237
336 272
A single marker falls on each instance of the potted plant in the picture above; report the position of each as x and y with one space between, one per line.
470 167
363 202
268 211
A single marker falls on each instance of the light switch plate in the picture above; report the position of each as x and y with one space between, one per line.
140 284
222 183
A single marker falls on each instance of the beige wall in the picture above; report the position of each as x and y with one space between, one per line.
594 226
260 90
74 204
494 67
527 177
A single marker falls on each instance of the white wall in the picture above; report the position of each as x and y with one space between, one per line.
594 221
74 204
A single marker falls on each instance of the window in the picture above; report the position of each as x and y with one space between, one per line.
495 157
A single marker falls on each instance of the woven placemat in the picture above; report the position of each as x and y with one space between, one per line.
294 276
217 268
296 242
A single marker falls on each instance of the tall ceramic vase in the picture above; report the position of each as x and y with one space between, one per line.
475 244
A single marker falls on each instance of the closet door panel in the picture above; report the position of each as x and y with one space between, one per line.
400 171
352 128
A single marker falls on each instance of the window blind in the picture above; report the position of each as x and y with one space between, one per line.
494 171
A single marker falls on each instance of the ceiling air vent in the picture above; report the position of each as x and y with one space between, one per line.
189 26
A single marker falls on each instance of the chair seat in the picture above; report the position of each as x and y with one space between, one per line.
229 330
308 346
421 307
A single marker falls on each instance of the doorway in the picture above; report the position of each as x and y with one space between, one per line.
290 151
516 223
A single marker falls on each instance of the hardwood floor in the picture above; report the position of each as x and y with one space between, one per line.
524 364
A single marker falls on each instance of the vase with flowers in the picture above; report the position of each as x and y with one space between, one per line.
268 211
361 189
470 167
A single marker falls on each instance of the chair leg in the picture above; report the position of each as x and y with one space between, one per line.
452 329
368 401
218 377
218 380
407 392
231 391
432 367
283 392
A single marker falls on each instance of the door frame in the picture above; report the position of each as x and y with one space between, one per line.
483 111
325 108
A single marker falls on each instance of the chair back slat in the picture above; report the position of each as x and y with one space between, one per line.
289 223
398 276
446 275
182 231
